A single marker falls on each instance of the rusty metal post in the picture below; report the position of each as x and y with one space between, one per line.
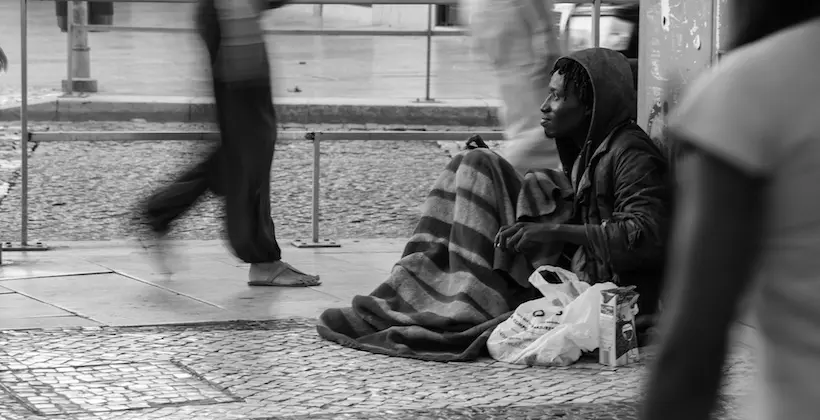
679 39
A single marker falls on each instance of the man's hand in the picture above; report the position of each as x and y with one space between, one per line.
4 62
525 236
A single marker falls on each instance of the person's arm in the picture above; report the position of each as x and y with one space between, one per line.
573 234
635 235
714 244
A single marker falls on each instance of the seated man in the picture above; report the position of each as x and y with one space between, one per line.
484 228
620 178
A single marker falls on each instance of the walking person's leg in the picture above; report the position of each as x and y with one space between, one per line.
247 123
249 133
167 204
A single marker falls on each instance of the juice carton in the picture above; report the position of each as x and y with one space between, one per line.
618 341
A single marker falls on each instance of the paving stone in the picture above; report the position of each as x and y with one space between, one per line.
282 369
119 388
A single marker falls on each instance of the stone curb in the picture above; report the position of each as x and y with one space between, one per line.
461 112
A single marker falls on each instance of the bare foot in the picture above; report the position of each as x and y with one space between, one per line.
280 273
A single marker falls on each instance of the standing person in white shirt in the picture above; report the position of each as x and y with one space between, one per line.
520 39
748 220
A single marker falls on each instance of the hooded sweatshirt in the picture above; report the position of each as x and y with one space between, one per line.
621 181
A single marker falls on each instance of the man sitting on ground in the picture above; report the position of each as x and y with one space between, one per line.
620 178
608 212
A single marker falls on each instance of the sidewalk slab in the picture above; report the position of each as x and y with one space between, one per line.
115 283
16 305
46 322
45 264
451 112
114 299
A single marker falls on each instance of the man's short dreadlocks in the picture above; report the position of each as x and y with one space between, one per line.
577 79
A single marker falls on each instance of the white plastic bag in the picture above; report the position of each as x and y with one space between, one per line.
554 329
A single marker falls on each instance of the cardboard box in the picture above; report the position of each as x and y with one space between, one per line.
618 342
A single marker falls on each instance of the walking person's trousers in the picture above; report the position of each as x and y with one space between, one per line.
239 168
521 41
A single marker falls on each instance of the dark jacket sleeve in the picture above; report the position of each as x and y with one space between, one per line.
635 236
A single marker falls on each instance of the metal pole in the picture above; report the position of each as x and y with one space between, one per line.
316 174
24 119
596 23
70 47
82 56
80 53
429 52
314 242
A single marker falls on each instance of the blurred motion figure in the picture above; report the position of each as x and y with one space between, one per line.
4 61
521 40
239 168
748 220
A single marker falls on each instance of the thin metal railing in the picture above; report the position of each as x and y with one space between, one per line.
77 28
24 121
288 135
73 26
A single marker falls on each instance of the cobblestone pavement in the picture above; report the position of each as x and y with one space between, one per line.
87 190
282 369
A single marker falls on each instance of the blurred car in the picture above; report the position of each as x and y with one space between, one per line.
619 26
618 30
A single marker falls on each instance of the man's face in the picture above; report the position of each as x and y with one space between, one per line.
562 114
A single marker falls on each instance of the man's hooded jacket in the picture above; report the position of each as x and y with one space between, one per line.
621 180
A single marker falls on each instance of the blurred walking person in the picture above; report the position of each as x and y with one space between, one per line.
521 40
4 61
239 168
748 220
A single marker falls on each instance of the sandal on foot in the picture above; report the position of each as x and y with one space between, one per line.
308 280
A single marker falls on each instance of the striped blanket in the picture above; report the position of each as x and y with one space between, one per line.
449 289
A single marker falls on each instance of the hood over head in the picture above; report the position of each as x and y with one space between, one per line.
615 99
